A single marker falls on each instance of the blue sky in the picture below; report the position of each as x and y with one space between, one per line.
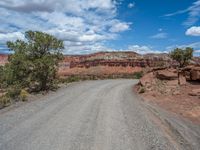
88 26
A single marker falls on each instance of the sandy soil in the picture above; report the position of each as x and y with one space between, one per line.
99 70
181 103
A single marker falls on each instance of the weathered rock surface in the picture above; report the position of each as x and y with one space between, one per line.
167 74
172 92
192 73
195 92
112 59
182 79
148 78
163 81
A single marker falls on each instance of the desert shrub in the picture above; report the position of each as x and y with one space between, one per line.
141 90
160 64
34 60
182 56
138 75
13 92
1 76
23 95
73 79
4 101
110 76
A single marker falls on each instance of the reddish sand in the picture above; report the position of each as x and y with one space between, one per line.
99 70
181 103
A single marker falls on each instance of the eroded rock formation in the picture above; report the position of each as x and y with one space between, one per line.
192 73
115 59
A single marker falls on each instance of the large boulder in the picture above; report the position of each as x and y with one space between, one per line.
192 73
147 79
167 74
195 74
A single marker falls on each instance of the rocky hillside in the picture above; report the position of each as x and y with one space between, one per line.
116 59
176 92
112 62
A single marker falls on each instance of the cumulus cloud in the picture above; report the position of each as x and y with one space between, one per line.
193 31
81 24
144 49
119 26
29 7
131 5
11 36
193 13
140 49
161 35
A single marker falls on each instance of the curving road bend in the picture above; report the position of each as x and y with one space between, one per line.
94 115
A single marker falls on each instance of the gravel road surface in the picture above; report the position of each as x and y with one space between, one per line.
95 115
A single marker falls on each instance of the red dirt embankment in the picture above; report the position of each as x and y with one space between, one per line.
162 88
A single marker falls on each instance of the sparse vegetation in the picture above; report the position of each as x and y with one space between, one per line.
33 65
73 79
141 90
4 101
138 75
13 91
182 56
23 95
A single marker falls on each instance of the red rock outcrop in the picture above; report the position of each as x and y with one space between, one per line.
148 79
167 74
192 73
164 80
122 59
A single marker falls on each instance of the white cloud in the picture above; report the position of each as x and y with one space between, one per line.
131 5
85 49
161 35
193 13
80 48
81 24
195 45
193 31
91 38
119 26
4 37
144 49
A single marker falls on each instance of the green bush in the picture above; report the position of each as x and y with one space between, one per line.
23 95
138 75
182 56
141 90
35 60
73 79
4 101
14 92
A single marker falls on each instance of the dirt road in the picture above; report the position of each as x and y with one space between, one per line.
94 115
